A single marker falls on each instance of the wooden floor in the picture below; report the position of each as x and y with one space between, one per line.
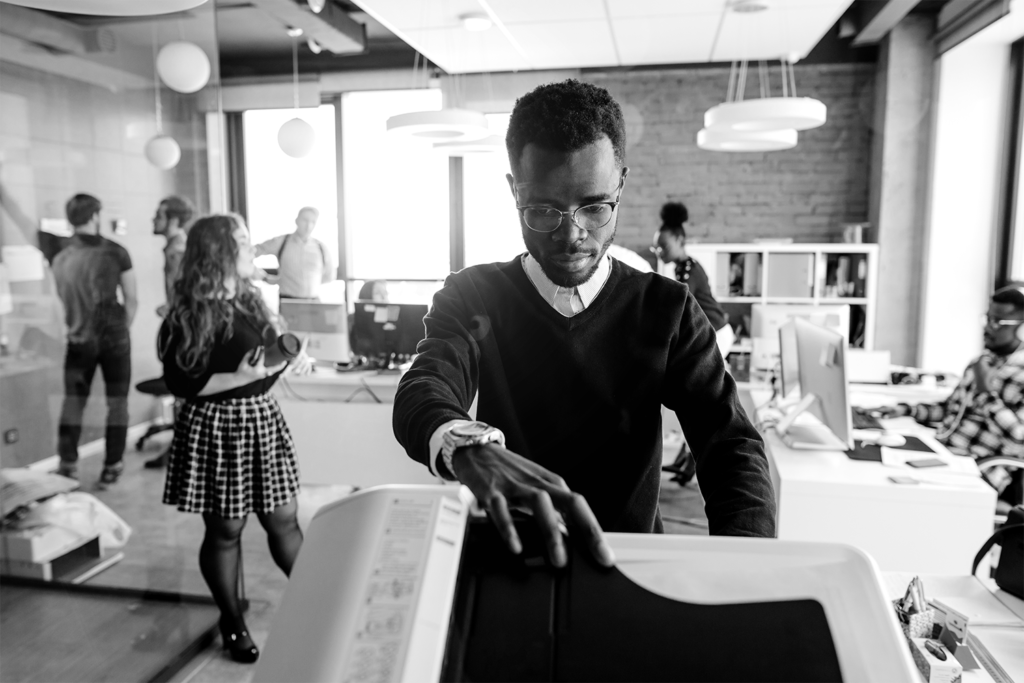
162 555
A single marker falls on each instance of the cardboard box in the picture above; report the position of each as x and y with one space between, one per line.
933 669
37 544
62 567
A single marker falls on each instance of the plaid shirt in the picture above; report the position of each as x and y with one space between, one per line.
992 423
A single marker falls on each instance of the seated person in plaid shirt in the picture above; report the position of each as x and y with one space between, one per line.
984 416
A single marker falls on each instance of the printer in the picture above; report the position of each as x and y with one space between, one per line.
409 583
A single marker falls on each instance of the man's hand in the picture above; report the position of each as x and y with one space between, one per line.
502 480
982 372
302 364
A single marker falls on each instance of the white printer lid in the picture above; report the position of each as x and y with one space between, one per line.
372 592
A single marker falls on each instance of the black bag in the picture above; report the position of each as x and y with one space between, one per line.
1009 574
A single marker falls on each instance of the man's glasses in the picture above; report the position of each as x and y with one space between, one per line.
989 322
589 217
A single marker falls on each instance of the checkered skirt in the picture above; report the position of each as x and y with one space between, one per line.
231 458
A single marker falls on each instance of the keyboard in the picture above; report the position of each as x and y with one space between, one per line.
862 419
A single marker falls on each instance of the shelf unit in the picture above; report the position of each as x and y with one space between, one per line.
805 274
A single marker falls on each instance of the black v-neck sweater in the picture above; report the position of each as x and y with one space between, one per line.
582 396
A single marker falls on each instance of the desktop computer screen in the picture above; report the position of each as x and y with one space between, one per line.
766 319
823 384
789 361
324 326
384 331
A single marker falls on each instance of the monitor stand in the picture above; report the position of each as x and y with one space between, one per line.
816 437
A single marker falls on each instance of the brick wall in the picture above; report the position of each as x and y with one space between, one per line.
805 193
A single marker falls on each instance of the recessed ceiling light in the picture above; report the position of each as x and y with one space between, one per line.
475 21
748 6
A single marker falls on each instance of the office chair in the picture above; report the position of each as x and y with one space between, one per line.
1010 462
156 388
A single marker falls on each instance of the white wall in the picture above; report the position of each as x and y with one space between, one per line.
969 134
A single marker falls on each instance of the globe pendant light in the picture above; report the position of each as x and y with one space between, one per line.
184 67
746 141
296 137
111 8
162 151
765 113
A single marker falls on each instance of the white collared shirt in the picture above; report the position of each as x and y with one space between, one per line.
568 301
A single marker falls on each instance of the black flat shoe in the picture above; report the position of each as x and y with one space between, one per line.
239 645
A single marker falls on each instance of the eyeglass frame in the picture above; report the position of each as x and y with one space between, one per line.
988 322
572 214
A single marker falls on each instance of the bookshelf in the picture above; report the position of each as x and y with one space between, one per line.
806 274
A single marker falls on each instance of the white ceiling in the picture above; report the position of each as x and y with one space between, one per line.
558 34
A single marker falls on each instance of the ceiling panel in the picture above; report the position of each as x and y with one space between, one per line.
666 40
773 34
458 51
564 44
655 8
534 11
419 14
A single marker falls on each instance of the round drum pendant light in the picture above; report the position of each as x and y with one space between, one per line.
768 113
184 67
111 8
445 125
733 141
163 152
487 145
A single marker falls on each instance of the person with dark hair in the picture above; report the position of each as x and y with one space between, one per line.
670 247
373 290
304 262
572 355
172 219
984 416
89 271
232 452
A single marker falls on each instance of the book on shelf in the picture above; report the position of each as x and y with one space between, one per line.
845 276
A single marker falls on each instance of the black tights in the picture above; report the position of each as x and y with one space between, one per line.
219 554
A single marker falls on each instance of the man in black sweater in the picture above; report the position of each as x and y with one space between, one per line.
573 354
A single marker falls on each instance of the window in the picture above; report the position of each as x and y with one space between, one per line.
278 185
492 231
396 190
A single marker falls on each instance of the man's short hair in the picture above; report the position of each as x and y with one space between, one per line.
178 207
312 209
81 208
1012 293
565 117
673 215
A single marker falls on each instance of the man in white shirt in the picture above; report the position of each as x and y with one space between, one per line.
304 262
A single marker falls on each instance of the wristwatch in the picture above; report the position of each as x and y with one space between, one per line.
467 434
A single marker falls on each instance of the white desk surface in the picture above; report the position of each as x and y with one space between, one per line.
936 526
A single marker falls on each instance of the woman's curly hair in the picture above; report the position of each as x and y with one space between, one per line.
202 312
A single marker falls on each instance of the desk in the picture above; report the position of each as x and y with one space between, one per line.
826 496
341 422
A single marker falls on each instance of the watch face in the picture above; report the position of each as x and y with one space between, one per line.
471 429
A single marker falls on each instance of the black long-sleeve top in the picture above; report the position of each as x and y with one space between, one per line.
248 332
582 396
691 273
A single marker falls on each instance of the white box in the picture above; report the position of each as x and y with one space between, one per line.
933 669
38 543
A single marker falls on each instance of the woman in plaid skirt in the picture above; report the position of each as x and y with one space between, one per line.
232 453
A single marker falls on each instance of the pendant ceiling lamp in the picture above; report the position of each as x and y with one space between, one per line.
746 141
443 125
487 145
183 66
296 137
162 150
765 113
111 8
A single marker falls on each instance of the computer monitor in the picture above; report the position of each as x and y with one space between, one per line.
384 332
766 319
324 326
789 361
824 391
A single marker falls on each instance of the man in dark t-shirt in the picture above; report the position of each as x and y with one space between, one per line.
571 356
89 271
